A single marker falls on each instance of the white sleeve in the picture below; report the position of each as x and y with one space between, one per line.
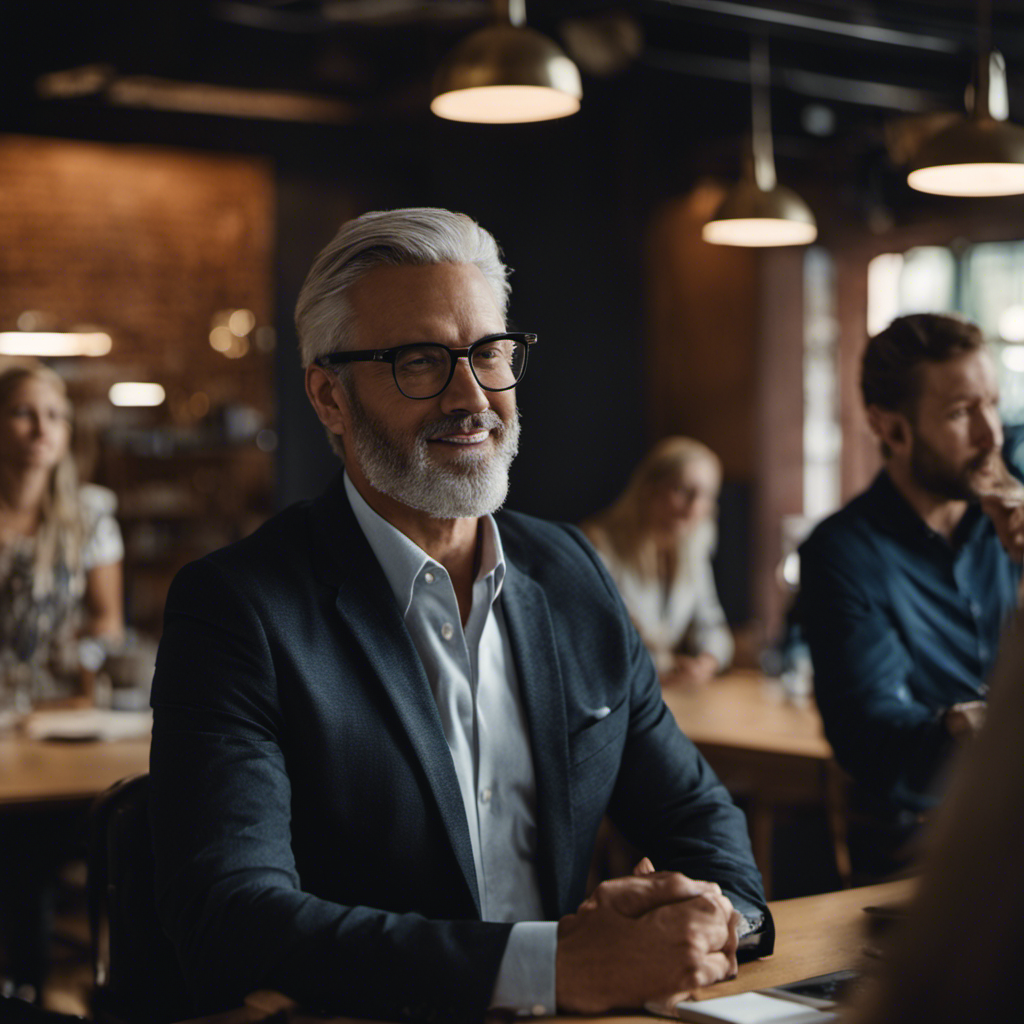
709 631
526 977
102 543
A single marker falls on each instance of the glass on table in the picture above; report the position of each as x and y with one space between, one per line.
15 691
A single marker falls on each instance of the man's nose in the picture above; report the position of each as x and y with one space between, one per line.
463 393
990 429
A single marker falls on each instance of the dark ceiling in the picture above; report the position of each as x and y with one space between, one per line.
851 79
864 59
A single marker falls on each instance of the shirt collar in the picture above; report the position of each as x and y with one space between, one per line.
894 514
402 560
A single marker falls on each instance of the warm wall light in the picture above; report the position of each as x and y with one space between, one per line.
229 332
241 322
136 393
221 339
757 211
506 73
52 343
982 154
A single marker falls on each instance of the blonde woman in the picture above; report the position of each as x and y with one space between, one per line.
60 547
60 581
657 540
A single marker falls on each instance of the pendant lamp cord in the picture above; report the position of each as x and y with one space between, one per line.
510 12
981 92
761 114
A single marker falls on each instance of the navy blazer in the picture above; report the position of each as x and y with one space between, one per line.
308 826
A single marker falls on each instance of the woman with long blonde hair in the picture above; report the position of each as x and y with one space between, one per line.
60 547
657 539
60 582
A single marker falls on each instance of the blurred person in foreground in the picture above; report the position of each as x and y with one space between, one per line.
657 540
60 582
955 957
388 723
904 592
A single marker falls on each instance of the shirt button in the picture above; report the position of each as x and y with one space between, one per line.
975 609
447 631
428 577
485 797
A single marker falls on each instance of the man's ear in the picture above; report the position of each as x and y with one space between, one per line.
328 400
891 428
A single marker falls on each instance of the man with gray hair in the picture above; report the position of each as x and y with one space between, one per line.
388 724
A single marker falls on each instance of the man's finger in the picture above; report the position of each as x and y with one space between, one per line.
634 896
733 942
714 967
703 922
644 867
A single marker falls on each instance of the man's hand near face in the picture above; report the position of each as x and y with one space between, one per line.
649 940
965 719
1007 514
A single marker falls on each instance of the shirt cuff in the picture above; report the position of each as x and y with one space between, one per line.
526 977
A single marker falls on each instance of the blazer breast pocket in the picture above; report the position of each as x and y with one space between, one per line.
606 725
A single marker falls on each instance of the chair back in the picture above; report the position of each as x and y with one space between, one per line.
136 973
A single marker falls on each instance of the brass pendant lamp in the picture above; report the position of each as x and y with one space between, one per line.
757 211
506 73
981 154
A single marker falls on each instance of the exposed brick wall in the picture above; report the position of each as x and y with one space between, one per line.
149 244
146 242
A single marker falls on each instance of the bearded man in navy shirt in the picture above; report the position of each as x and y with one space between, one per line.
905 591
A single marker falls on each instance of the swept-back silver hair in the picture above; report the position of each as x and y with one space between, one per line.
413 237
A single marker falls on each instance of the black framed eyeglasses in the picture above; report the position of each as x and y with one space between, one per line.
498 362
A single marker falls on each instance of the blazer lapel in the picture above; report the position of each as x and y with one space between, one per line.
367 605
533 644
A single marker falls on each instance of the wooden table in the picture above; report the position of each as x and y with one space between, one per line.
766 749
814 935
52 771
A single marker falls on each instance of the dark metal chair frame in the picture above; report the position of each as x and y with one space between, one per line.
135 970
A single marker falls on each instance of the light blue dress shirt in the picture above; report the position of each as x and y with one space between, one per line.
473 678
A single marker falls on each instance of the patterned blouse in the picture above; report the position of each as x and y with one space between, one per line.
39 637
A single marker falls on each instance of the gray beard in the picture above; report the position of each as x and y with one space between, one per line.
470 485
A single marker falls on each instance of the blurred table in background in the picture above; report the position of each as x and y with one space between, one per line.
61 771
46 787
768 750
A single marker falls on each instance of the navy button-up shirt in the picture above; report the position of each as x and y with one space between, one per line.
901 624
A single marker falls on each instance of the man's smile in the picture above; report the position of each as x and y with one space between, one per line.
474 437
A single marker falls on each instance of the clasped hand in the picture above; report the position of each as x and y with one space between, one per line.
646 940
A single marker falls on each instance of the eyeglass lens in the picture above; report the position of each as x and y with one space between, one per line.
422 371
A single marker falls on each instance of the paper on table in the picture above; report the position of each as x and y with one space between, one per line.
751 1008
87 724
